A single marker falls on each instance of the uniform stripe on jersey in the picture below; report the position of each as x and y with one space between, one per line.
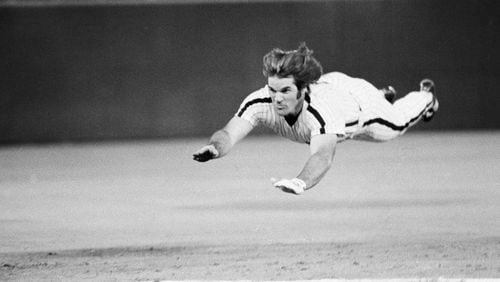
316 115
397 127
352 123
254 101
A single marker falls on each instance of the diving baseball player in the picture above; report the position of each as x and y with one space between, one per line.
303 105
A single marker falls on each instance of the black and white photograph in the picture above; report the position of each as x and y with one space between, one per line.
250 140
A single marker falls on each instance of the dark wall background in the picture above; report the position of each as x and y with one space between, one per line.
111 72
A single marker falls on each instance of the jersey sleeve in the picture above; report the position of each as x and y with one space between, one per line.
254 106
325 118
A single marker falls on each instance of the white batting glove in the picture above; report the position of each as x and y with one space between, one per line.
206 153
295 186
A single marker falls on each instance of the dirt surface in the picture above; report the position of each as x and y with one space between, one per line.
425 205
465 259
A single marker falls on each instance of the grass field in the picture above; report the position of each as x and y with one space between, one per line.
425 205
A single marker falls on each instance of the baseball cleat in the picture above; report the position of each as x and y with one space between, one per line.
429 86
389 93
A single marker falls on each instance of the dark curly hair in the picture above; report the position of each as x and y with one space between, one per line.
299 63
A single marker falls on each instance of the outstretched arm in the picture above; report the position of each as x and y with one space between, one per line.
223 140
322 151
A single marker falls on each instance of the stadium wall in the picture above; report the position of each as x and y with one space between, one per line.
100 72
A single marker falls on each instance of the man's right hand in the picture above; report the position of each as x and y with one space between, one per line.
206 153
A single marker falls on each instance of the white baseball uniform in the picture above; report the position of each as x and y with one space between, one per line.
342 105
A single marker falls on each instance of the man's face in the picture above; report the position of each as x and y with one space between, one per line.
284 92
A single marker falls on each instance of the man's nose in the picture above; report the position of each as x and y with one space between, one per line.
278 97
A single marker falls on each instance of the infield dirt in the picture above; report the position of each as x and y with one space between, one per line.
424 205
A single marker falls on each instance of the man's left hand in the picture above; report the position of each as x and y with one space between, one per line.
295 186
